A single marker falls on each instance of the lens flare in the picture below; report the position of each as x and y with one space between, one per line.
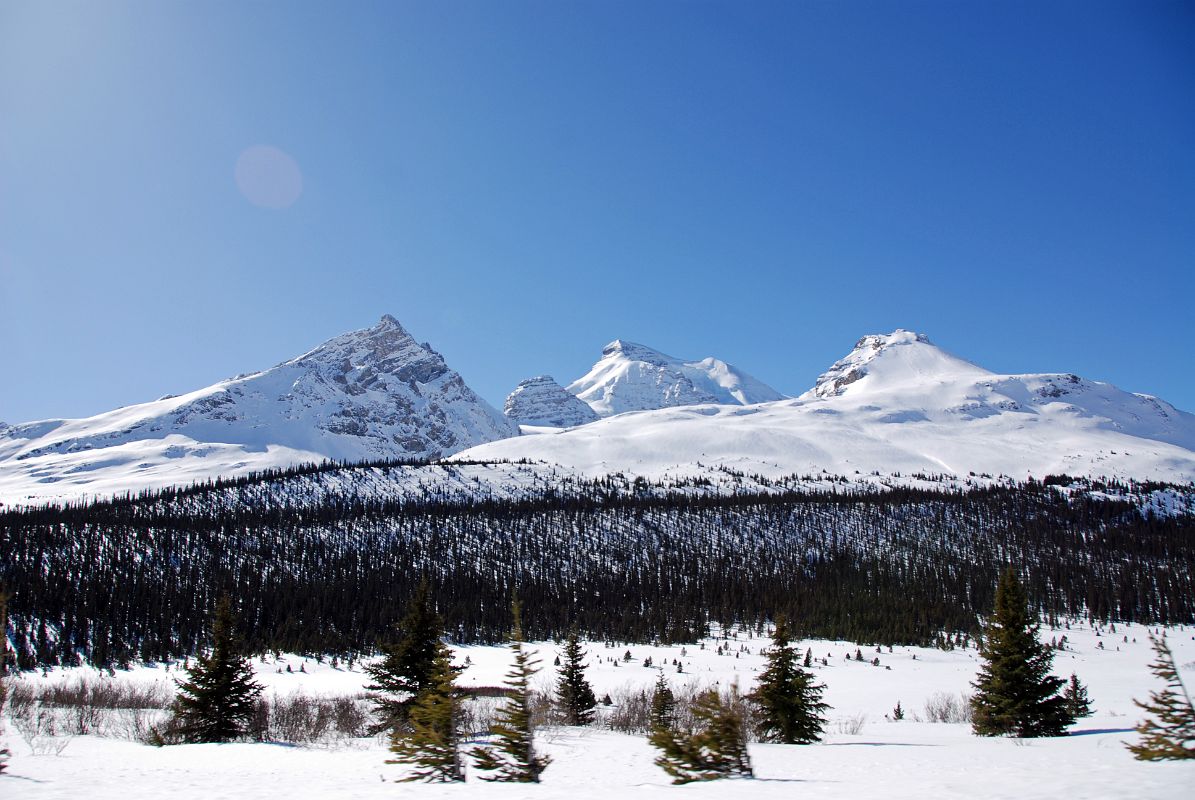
268 177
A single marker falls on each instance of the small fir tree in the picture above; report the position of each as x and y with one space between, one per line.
898 713
717 749
431 744
662 714
405 669
1170 736
574 695
790 706
512 757
1078 704
1015 692
218 701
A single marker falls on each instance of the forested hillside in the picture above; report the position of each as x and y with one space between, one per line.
329 572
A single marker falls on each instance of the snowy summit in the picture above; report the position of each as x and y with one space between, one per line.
895 403
633 377
368 394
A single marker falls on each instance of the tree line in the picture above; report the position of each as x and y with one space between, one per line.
120 581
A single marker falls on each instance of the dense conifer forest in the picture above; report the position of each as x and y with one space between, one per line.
136 578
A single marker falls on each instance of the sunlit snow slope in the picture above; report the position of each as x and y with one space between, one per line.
368 394
896 403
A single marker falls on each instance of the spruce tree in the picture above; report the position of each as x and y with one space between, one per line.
218 701
1078 704
1015 693
431 744
512 757
717 749
789 701
405 669
574 695
662 715
4 751
1170 736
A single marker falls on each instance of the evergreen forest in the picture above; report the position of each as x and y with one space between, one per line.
330 572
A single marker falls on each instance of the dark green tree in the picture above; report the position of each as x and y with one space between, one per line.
574 695
4 751
217 701
716 749
790 706
406 666
432 743
1170 736
1015 692
663 705
512 757
1078 704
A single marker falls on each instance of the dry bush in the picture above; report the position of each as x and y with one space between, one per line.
630 713
305 719
631 710
850 726
82 706
949 708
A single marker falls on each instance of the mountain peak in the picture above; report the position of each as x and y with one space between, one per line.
388 322
367 394
885 359
633 351
633 377
542 401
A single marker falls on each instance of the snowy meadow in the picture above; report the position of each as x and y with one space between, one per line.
865 751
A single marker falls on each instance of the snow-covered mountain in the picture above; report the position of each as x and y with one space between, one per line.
368 394
542 401
632 377
895 403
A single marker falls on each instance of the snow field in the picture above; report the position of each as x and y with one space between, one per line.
907 759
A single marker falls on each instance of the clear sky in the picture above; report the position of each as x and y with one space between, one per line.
189 190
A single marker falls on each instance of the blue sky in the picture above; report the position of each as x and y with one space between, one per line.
521 182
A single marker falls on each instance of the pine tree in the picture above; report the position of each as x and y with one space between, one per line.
512 757
405 669
663 705
432 743
1171 735
1078 704
789 701
4 751
218 700
717 749
1015 693
574 695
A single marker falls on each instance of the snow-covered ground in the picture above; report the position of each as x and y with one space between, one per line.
886 759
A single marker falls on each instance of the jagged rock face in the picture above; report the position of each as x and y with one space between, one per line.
543 401
633 377
368 394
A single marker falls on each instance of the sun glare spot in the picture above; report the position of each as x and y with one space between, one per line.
268 177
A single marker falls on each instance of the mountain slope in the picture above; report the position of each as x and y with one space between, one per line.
632 377
896 403
368 394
